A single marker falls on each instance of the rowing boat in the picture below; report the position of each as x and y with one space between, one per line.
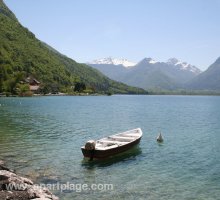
111 145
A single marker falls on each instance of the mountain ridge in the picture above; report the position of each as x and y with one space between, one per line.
208 80
173 72
23 55
113 61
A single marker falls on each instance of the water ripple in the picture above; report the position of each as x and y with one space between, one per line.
41 137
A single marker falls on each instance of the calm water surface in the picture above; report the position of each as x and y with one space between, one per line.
41 138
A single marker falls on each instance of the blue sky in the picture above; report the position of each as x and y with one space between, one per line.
134 29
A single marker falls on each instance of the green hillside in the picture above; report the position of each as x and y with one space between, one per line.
23 55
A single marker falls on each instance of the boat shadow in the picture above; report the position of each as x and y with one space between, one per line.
129 155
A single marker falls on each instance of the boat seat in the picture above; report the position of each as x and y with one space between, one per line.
130 135
122 139
106 147
112 142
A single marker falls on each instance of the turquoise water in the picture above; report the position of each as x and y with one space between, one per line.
41 138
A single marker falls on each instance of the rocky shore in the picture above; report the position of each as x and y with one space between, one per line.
9 181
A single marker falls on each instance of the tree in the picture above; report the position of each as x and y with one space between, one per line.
79 87
23 90
1 80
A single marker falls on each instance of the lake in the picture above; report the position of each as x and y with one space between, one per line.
40 137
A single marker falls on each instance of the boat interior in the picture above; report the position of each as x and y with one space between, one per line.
118 139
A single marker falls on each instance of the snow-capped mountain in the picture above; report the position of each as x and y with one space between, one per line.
113 61
148 73
183 65
147 61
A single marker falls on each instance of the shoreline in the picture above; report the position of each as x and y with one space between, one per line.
27 190
87 95
60 94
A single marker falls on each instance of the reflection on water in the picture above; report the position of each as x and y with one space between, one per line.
127 156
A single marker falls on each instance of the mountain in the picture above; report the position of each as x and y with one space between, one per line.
23 55
5 11
112 67
148 73
208 80
184 66
113 61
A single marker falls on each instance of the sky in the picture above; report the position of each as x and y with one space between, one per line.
133 29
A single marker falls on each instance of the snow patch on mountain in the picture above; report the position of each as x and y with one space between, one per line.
151 60
113 61
147 61
183 65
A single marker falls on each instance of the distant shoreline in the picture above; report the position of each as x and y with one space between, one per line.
187 94
60 94
96 94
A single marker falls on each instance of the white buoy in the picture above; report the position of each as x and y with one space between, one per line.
159 138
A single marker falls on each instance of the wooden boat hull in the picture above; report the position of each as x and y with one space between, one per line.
101 154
